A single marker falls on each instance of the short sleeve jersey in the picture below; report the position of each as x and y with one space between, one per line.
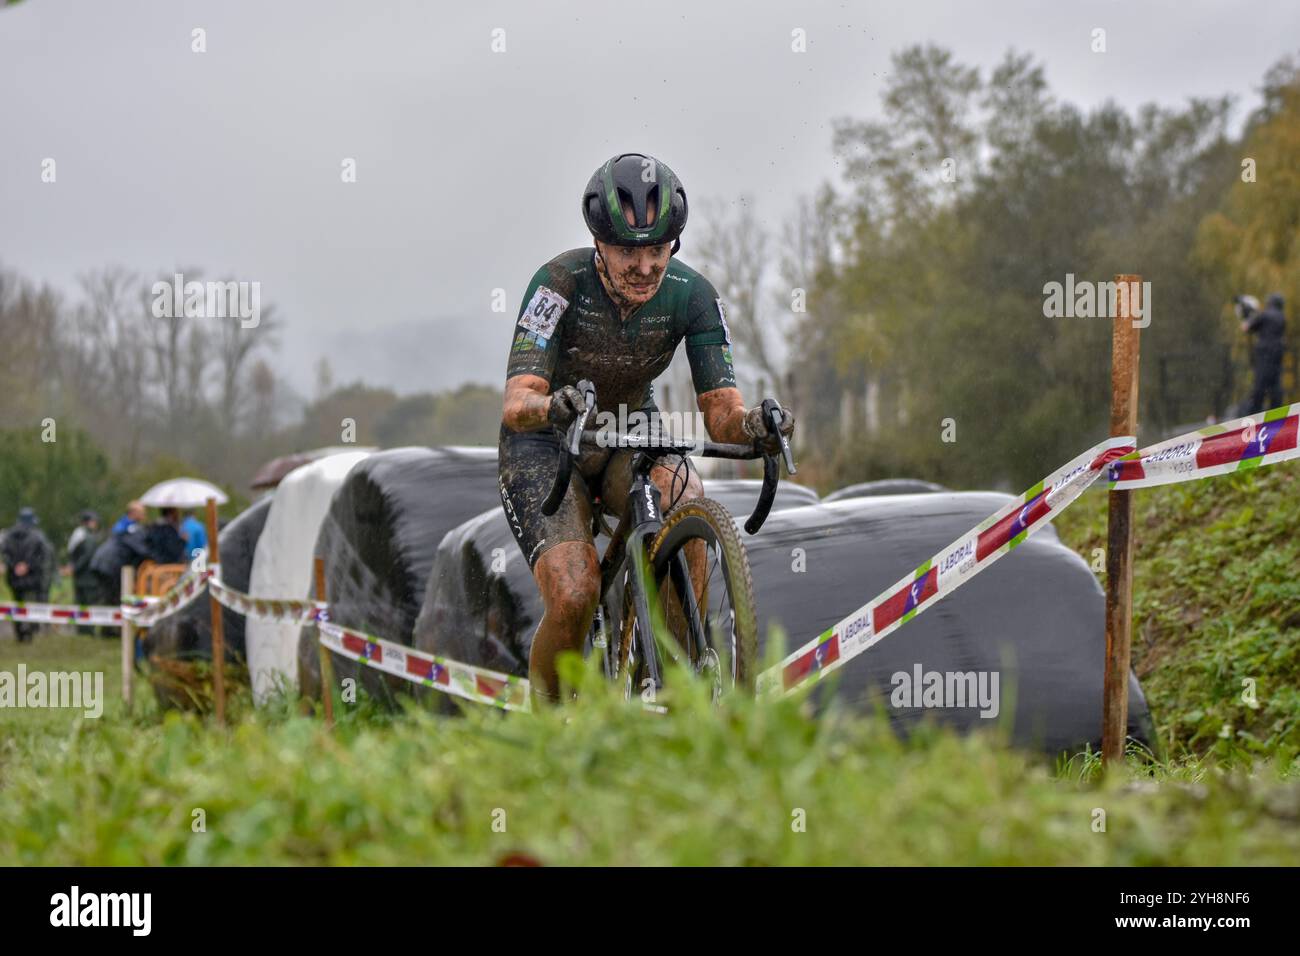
569 329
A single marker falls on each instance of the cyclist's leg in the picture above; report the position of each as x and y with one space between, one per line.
558 549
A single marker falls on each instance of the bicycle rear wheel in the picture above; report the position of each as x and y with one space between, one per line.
723 647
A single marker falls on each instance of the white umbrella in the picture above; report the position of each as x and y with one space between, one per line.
182 493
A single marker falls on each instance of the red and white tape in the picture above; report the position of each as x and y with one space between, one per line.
183 592
427 670
268 609
944 572
1240 445
61 614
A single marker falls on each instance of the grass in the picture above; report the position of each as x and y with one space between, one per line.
757 783
1216 609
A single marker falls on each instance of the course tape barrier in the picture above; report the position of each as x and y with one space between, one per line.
183 592
944 572
142 610
268 609
451 677
1240 445
61 613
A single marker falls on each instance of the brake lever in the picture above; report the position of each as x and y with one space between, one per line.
589 404
569 449
773 417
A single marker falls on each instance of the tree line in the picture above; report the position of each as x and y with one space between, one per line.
912 291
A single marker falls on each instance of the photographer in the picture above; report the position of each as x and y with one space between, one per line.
1268 325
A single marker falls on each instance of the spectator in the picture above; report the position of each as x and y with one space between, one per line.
81 552
166 544
135 514
196 535
29 565
129 545
1268 325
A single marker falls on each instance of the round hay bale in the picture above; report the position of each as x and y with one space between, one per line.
379 538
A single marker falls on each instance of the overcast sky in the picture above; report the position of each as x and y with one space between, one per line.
470 163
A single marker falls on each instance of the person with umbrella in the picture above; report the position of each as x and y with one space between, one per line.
183 494
166 543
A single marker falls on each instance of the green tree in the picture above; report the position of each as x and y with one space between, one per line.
58 478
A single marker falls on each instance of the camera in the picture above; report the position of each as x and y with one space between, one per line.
1244 306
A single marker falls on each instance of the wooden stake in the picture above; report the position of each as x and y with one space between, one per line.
1119 540
218 631
128 641
326 662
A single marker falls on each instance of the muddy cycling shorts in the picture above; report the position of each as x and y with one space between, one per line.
527 463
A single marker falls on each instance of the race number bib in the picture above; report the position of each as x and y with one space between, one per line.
543 311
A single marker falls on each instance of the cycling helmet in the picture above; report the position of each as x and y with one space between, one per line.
643 183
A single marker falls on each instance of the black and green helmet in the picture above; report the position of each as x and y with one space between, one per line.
643 183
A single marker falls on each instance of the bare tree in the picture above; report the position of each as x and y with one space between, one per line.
734 255
109 341
177 347
29 355
234 346
262 385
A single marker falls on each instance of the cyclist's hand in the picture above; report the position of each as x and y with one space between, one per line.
756 429
565 407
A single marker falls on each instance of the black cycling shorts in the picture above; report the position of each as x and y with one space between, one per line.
526 471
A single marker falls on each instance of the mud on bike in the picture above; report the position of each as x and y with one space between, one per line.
649 612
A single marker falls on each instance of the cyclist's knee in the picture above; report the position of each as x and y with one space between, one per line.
569 577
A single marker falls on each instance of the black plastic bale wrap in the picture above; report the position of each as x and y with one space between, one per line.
1035 619
187 634
378 541
885 486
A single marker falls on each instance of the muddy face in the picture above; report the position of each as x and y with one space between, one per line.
632 275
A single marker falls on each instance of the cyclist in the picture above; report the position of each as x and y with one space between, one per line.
613 315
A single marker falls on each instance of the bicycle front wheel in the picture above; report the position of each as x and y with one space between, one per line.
706 593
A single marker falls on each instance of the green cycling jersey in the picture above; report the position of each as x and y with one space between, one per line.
570 329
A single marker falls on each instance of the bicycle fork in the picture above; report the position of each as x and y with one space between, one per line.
647 519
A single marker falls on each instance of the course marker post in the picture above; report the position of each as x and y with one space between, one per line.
218 632
326 662
128 641
1119 522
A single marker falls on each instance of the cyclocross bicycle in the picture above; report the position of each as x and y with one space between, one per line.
649 611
